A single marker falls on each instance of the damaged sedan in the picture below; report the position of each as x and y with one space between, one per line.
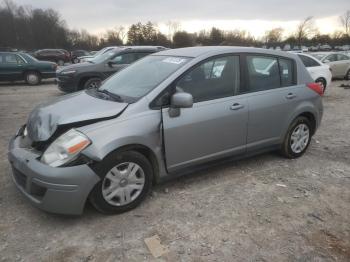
167 114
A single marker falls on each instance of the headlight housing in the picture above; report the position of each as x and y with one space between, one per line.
70 72
65 148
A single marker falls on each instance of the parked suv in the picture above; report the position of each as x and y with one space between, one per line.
169 113
90 74
59 56
17 66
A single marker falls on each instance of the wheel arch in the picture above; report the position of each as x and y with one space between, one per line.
145 151
84 78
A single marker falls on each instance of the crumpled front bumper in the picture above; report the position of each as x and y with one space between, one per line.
61 190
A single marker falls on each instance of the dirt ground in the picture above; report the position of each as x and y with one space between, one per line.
265 208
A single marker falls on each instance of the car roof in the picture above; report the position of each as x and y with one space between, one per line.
207 50
143 47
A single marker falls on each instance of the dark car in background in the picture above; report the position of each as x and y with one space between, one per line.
74 55
90 74
17 66
59 56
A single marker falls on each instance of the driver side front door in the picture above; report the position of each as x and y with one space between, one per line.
216 125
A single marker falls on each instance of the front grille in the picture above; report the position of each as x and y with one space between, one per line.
20 178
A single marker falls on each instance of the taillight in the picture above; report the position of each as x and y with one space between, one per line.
316 87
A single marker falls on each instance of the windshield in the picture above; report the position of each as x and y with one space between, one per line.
318 56
102 57
138 79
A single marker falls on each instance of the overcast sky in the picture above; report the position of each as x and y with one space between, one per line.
194 15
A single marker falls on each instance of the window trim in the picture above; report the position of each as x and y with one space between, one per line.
277 57
152 104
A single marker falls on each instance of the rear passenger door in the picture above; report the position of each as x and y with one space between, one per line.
11 67
272 97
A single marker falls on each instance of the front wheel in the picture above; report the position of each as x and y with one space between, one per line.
92 83
126 179
297 139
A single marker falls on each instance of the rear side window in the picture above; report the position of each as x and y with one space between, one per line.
286 72
308 62
332 58
342 57
124 59
263 73
140 55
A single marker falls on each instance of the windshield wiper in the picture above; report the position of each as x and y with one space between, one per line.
115 97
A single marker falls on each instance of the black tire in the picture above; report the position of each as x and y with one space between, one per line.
94 82
96 197
32 78
347 77
323 82
76 60
286 147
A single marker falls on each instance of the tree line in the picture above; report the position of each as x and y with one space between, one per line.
30 28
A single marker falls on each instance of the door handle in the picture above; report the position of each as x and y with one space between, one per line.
236 106
290 96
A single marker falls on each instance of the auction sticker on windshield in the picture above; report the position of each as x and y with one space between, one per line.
174 60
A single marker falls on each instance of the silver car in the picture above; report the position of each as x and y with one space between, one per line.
339 63
169 113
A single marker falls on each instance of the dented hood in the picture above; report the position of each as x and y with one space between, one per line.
44 120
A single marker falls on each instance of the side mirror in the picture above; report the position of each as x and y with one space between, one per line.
180 100
111 63
326 61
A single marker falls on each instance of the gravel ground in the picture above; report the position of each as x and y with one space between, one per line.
264 208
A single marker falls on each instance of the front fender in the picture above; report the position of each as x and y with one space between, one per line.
108 136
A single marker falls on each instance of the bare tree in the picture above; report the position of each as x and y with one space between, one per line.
173 27
273 36
305 29
345 21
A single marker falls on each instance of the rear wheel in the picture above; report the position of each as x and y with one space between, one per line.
297 139
32 78
76 60
322 82
94 82
126 179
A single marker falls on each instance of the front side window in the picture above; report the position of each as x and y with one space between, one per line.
143 76
213 79
263 73
123 59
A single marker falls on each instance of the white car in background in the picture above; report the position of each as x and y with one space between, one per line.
319 71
